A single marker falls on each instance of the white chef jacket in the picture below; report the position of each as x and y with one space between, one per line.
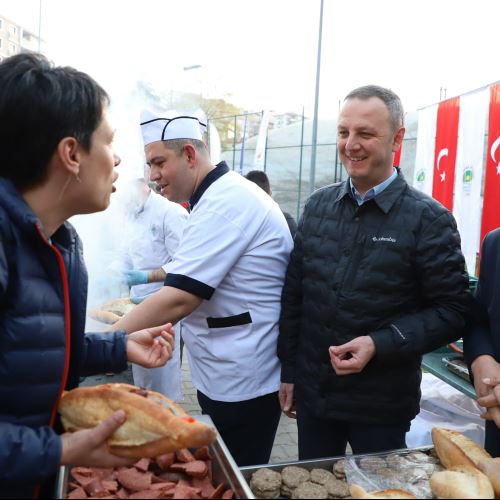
234 253
156 232
155 237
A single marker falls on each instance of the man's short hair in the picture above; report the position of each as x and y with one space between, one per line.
40 104
260 178
177 145
387 96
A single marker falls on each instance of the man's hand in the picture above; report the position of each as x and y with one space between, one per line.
89 448
484 367
287 402
136 277
492 401
151 347
352 357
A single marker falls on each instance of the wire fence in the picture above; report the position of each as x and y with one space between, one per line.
287 157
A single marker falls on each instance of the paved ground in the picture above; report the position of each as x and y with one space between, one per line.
285 445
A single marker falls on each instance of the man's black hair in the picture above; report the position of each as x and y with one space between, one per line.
260 178
40 104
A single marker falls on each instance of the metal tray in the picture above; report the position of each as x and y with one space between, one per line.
454 364
325 463
224 469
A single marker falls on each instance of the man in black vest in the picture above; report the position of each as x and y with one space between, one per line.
482 344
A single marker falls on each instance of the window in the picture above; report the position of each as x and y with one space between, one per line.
0 43
13 29
1 24
12 48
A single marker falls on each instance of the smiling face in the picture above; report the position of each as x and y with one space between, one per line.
97 172
170 171
367 141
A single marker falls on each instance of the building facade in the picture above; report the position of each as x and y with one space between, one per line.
14 38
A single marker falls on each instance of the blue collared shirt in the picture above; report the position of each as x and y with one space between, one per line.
374 191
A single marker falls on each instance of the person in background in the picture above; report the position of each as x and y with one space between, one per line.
482 342
156 228
376 279
224 281
57 160
260 178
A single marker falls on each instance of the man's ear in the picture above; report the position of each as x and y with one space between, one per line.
398 139
69 154
190 153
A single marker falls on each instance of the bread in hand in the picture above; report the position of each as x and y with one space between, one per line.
154 425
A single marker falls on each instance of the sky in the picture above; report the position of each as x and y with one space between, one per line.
262 54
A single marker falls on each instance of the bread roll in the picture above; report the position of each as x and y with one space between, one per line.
154 425
461 482
359 492
491 467
112 311
455 449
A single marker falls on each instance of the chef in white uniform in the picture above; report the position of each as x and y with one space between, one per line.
156 228
225 279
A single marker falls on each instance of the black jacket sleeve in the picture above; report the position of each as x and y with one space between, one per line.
445 295
479 340
291 307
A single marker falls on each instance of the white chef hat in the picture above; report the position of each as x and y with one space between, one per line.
172 125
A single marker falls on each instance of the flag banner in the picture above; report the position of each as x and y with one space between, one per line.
446 151
491 210
397 156
426 140
243 140
469 172
215 144
260 149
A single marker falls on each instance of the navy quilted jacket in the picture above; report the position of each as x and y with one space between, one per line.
43 348
391 269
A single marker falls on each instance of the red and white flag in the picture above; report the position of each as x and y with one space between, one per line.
445 152
491 208
397 156
469 172
426 141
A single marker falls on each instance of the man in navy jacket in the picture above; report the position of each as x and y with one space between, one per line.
482 344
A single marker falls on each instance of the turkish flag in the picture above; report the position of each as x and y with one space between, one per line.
491 208
445 153
397 156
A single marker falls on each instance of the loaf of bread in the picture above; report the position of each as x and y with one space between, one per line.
491 468
154 424
359 492
112 311
461 482
455 449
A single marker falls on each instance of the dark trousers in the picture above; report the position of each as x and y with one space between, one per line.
248 428
492 442
319 438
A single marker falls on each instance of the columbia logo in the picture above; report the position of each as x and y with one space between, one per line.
390 240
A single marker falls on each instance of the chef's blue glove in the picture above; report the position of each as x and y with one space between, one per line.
138 299
136 277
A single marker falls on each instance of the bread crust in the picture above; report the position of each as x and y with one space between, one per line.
491 467
359 492
461 482
112 311
455 449
154 425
